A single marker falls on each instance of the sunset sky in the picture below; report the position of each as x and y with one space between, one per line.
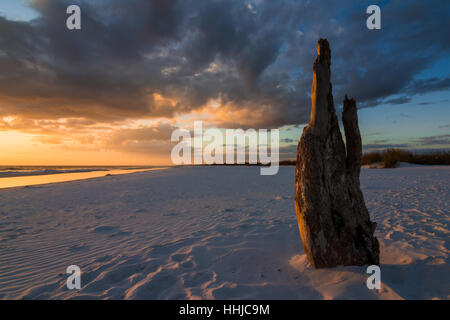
113 92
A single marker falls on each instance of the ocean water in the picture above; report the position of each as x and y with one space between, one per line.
25 176
20 171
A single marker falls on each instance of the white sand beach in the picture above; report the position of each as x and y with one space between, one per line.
215 233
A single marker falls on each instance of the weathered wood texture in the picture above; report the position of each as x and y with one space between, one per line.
334 222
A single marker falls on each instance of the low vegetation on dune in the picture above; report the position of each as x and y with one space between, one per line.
391 157
388 158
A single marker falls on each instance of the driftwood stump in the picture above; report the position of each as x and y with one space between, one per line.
334 222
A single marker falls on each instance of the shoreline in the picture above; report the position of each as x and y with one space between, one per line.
34 180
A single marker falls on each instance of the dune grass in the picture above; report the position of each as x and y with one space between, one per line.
391 157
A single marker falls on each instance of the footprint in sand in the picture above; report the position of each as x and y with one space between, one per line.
171 214
177 257
104 229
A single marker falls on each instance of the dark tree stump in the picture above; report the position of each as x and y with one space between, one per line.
334 222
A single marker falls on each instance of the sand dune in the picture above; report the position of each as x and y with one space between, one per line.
214 233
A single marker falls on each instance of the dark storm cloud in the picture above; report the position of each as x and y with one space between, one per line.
160 132
426 85
399 100
254 55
